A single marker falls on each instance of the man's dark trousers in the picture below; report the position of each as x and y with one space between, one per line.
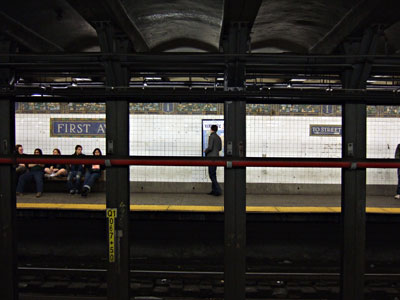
212 172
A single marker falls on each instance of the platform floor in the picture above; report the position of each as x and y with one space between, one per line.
206 203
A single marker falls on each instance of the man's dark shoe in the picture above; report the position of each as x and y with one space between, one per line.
217 194
84 192
211 193
72 191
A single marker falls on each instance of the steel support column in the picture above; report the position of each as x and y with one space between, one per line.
235 178
117 184
8 244
235 202
353 204
353 217
8 248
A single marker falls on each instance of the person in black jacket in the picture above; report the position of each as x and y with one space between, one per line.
57 170
35 172
20 168
93 173
75 172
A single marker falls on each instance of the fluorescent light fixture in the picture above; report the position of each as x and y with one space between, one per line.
59 87
82 79
40 95
382 76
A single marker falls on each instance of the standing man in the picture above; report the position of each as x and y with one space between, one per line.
212 150
397 156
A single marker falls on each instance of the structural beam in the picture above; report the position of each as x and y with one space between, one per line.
8 244
127 25
353 216
113 10
235 202
236 41
364 13
353 204
163 95
117 186
356 16
279 64
26 36
356 78
238 11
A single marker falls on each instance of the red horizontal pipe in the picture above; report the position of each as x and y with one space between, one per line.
296 164
201 162
166 162
378 165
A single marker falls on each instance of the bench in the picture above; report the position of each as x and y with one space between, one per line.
59 184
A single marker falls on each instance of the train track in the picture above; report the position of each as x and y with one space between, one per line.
209 274
88 284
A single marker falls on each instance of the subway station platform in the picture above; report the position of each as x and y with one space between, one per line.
196 202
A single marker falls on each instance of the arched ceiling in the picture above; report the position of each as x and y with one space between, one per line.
294 28
308 26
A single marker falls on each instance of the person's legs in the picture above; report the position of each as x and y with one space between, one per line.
38 176
398 181
22 180
217 187
77 184
212 172
90 179
70 179
61 172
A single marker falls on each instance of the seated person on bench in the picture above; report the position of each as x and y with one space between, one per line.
57 170
35 172
93 173
75 172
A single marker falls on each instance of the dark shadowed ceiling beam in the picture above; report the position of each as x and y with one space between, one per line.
355 17
26 36
236 11
111 10
126 23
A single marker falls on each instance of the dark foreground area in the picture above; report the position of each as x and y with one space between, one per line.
289 256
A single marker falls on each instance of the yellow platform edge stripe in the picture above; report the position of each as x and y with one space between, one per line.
196 208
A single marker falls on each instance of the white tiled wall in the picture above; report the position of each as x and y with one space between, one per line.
289 136
180 135
33 131
168 135
383 135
